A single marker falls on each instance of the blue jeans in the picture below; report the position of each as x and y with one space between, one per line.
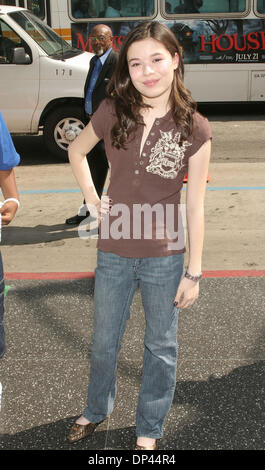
2 331
116 279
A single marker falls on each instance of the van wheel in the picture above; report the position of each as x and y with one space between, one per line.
61 127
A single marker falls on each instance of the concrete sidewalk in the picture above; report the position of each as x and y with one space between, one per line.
39 241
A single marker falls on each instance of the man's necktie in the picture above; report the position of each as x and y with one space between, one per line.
92 82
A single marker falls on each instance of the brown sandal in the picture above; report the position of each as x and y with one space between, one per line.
79 431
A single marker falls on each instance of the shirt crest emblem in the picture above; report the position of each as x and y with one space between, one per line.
166 159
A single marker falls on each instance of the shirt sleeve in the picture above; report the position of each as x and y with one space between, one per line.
101 118
8 154
201 133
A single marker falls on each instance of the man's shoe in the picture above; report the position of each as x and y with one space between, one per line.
79 431
76 219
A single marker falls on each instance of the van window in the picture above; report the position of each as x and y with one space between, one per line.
9 40
205 6
43 35
83 9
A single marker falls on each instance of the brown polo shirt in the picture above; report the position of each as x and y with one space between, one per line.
146 187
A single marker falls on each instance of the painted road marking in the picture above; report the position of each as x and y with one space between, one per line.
87 275
208 188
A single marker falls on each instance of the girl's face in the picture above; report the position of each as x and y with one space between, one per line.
151 68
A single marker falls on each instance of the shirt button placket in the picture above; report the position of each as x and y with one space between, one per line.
136 171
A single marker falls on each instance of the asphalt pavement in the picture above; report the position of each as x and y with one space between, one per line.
219 398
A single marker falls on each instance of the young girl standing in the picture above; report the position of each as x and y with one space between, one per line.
153 136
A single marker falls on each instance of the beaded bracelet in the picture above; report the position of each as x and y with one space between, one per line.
193 278
12 199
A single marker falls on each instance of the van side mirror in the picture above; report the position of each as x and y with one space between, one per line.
20 57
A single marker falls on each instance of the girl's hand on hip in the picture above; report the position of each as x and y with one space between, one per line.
187 293
105 207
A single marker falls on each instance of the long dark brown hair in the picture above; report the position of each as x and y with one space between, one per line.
127 99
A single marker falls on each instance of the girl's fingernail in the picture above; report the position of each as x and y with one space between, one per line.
176 304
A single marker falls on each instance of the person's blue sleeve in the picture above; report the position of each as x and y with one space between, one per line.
8 154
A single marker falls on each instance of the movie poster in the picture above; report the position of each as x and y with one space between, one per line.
221 41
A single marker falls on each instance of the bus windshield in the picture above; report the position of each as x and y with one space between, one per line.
43 35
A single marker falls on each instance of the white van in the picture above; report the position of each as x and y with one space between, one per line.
41 80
